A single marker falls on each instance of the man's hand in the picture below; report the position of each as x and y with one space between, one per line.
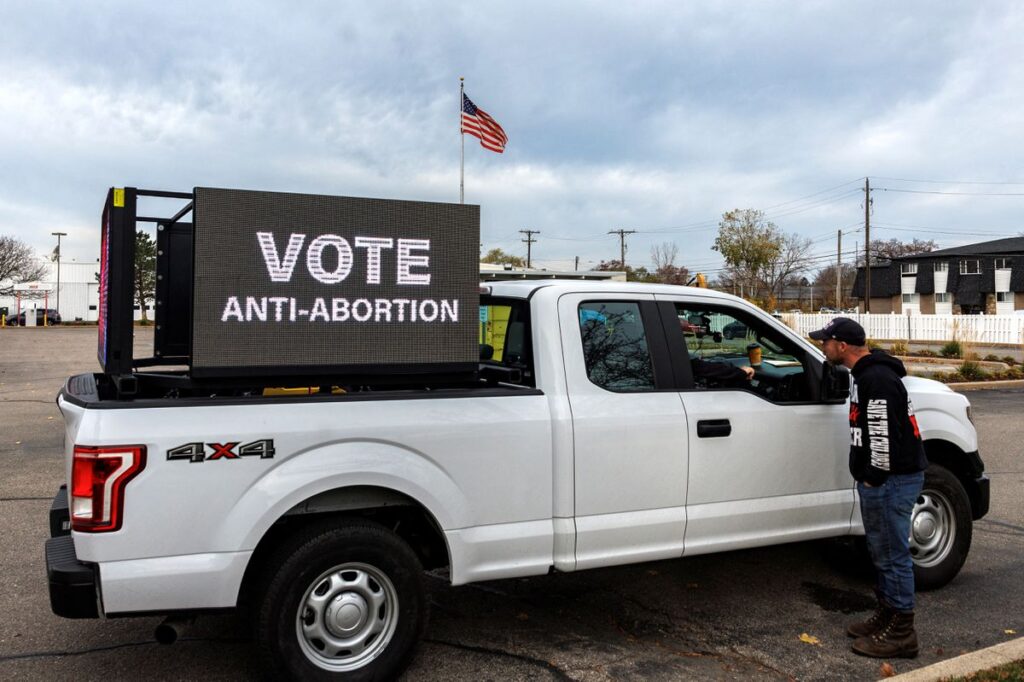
749 371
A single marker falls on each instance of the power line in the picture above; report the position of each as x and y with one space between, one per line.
924 228
949 182
813 205
969 194
580 239
850 182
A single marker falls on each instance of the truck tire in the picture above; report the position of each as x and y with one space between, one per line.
342 600
940 529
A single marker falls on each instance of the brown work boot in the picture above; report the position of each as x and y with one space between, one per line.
896 640
878 620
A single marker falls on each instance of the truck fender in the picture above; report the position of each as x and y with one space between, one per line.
937 424
344 464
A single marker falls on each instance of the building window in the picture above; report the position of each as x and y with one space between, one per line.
1004 296
942 297
970 267
910 298
942 267
1003 263
908 269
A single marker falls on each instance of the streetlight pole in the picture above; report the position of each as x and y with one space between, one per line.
58 235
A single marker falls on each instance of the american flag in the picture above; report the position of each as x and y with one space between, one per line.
478 123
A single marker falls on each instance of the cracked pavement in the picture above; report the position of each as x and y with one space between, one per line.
729 616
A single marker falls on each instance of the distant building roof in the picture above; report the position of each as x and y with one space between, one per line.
996 246
885 281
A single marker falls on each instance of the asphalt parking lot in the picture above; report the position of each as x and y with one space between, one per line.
738 615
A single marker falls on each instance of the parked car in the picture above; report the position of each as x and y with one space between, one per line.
693 325
734 330
52 317
827 310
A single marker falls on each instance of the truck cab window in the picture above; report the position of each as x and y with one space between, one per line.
615 346
717 336
504 335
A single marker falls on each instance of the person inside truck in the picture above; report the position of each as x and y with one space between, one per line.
705 371
720 372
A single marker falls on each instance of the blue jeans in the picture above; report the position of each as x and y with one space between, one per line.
886 511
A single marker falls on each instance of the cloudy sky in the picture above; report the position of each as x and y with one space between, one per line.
650 116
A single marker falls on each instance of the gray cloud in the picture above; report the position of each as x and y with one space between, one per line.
650 117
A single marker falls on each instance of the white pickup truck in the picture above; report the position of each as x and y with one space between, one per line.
593 438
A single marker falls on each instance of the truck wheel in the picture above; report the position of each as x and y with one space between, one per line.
341 602
940 529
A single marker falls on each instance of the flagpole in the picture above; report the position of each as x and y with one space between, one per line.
462 137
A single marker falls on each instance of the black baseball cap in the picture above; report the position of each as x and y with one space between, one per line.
841 329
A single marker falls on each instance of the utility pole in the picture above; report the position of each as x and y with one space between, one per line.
867 245
529 244
577 268
622 244
839 271
58 235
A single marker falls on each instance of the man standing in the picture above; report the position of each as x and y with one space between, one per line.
887 460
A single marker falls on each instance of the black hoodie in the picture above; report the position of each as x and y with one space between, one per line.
884 436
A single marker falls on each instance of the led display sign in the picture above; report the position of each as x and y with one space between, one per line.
296 284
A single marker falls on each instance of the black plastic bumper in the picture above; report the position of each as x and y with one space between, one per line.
979 505
977 486
72 582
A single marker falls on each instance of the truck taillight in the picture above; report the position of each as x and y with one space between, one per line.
98 478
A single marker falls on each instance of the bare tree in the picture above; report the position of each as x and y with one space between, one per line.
886 249
665 268
17 264
790 260
664 255
825 280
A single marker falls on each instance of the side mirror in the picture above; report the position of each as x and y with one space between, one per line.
835 383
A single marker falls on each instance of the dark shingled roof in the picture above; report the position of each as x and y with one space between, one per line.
968 289
1009 245
885 281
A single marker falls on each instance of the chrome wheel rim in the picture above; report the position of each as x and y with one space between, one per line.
932 529
347 617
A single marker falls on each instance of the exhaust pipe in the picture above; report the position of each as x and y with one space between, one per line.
172 628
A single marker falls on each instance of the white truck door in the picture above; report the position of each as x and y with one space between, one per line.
629 430
768 457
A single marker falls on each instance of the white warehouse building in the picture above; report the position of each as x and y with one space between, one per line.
79 293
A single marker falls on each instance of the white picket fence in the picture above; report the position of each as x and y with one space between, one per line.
999 329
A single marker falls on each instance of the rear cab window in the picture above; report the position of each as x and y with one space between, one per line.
505 335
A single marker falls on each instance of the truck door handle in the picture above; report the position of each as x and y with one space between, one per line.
713 428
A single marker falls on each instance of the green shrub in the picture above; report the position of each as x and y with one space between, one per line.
971 371
991 357
951 349
873 345
926 353
1010 360
899 348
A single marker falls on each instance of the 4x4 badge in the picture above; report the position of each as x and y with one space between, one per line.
202 452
